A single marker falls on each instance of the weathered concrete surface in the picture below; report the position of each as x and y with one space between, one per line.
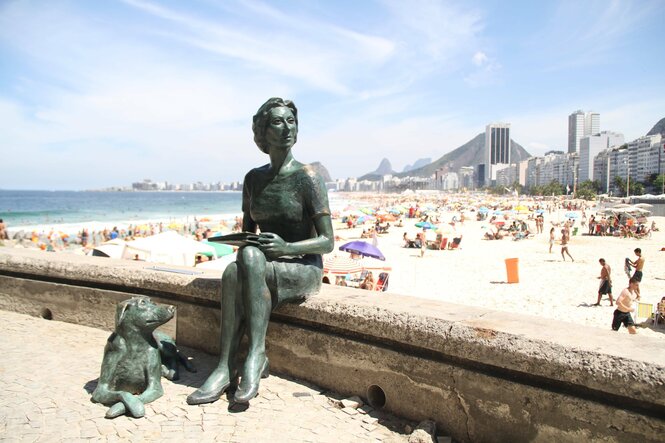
46 381
483 376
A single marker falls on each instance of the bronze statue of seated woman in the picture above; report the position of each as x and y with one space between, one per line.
287 202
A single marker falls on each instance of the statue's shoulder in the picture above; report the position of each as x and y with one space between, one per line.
257 173
311 172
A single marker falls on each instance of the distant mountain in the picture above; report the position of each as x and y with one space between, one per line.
472 153
658 128
418 164
384 168
318 167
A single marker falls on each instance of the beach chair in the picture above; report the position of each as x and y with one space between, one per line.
643 310
382 282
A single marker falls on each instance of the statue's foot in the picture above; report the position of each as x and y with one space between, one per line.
212 389
249 384
116 410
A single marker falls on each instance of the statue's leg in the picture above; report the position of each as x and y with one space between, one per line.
258 305
230 333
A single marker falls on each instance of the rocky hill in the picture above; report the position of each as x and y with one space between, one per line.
658 128
471 153
418 164
384 168
322 171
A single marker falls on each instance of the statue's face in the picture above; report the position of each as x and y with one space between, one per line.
282 128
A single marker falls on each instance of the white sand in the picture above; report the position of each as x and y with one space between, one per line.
548 287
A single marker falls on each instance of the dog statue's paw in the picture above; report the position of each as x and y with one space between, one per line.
116 410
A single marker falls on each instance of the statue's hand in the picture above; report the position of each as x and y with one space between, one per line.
272 245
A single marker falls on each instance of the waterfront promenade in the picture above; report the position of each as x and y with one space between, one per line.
48 370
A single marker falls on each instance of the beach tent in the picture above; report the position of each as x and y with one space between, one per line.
218 265
112 249
168 247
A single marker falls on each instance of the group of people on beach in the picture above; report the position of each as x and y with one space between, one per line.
624 304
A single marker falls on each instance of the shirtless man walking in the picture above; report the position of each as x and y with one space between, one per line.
638 264
605 282
625 307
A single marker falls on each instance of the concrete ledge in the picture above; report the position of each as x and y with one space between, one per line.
482 375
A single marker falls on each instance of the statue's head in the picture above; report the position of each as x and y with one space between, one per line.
263 116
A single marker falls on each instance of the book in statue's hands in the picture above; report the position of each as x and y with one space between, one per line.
237 239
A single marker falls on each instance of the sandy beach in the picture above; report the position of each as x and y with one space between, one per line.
475 274
548 287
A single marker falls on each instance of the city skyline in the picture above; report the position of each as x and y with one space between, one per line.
93 95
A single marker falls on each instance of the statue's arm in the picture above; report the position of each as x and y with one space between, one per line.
274 246
248 225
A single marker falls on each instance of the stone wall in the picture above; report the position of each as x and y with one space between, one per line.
480 374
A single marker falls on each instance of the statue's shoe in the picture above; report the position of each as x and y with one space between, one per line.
248 389
202 396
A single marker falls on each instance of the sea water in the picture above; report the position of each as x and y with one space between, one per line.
72 210
32 209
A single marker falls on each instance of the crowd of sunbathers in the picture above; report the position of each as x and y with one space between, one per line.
620 227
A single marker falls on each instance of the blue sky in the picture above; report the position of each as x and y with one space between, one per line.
103 93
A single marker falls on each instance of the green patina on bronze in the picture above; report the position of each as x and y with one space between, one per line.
287 202
135 358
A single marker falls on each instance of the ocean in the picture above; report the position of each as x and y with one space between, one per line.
72 210
32 209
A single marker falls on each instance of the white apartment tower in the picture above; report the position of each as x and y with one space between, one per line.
497 148
580 125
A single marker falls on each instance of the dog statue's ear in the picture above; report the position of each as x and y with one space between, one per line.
120 312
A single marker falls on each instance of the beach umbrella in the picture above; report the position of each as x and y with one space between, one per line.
425 225
540 211
168 247
498 212
364 218
483 210
571 214
341 265
362 248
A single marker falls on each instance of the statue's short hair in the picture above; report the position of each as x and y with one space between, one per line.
260 121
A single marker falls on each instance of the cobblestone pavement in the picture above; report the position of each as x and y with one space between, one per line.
48 370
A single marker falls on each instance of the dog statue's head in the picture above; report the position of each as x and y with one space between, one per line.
141 314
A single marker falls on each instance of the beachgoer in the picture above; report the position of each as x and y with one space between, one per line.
625 307
368 283
551 239
605 282
638 264
3 231
564 244
287 201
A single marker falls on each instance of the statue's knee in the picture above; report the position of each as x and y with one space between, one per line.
250 255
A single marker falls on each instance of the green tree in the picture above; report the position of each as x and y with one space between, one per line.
588 189
621 184
658 184
637 188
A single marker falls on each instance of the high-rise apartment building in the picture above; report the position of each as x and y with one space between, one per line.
590 147
580 125
497 148
591 123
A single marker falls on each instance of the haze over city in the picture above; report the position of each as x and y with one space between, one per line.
97 94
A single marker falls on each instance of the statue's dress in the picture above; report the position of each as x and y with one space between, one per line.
288 206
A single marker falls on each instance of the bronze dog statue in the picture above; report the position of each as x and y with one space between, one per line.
135 358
